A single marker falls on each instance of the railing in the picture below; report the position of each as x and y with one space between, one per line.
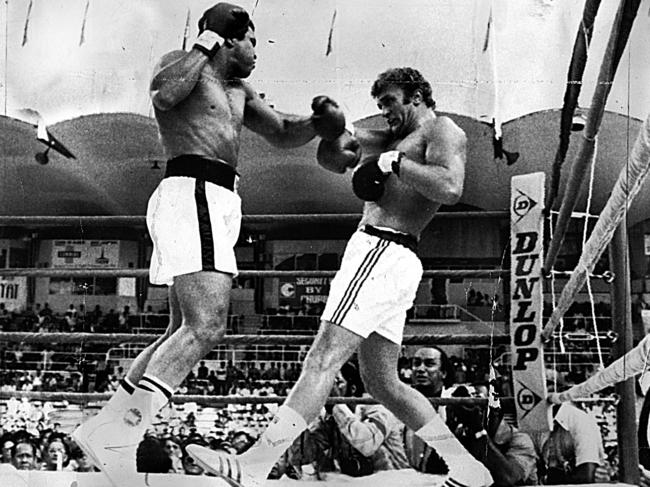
436 312
223 353
446 312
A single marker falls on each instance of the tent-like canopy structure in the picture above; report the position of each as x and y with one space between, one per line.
84 66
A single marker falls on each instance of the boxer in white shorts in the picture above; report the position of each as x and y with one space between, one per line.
193 223
201 102
411 167
376 284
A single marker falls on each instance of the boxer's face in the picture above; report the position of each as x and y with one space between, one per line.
395 109
243 53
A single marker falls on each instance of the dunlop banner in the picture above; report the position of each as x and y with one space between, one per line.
526 241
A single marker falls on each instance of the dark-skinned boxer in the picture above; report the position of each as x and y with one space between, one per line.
201 101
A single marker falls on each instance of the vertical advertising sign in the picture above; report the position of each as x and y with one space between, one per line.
527 300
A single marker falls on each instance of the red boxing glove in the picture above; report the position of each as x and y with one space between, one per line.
339 154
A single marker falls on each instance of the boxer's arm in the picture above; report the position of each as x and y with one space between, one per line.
373 141
280 129
175 77
442 175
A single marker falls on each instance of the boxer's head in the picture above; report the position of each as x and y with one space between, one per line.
242 54
399 92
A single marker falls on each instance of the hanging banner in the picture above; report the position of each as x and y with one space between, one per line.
527 299
85 253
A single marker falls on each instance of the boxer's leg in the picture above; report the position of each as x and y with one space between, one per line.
378 366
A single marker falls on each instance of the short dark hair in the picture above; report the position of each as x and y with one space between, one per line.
350 373
445 366
409 80
151 456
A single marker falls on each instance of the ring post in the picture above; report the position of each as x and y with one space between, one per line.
628 450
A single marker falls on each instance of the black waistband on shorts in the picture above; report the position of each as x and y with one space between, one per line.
210 170
405 239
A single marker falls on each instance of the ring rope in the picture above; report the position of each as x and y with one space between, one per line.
592 305
205 400
627 186
128 272
64 338
139 220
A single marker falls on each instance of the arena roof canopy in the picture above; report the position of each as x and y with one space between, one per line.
84 66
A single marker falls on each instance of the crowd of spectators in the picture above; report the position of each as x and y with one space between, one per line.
31 441
478 298
42 318
352 441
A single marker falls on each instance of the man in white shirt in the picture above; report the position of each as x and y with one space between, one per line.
573 450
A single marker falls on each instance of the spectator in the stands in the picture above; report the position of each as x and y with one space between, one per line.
202 371
46 311
220 382
272 373
432 371
56 453
404 369
82 462
111 321
151 456
6 444
572 453
24 453
123 318
242 371
508 453
262 370
241 441
71 318
231 375
172 446
190 466
292 373
95 317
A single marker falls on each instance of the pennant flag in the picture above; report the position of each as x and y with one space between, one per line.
82 37
486 43
329 39
29 14
187 29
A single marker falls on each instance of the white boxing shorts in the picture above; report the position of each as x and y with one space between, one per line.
194 218
376 285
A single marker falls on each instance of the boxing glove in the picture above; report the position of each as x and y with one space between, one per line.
224 19
370 177
327 118
368 180
339 154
